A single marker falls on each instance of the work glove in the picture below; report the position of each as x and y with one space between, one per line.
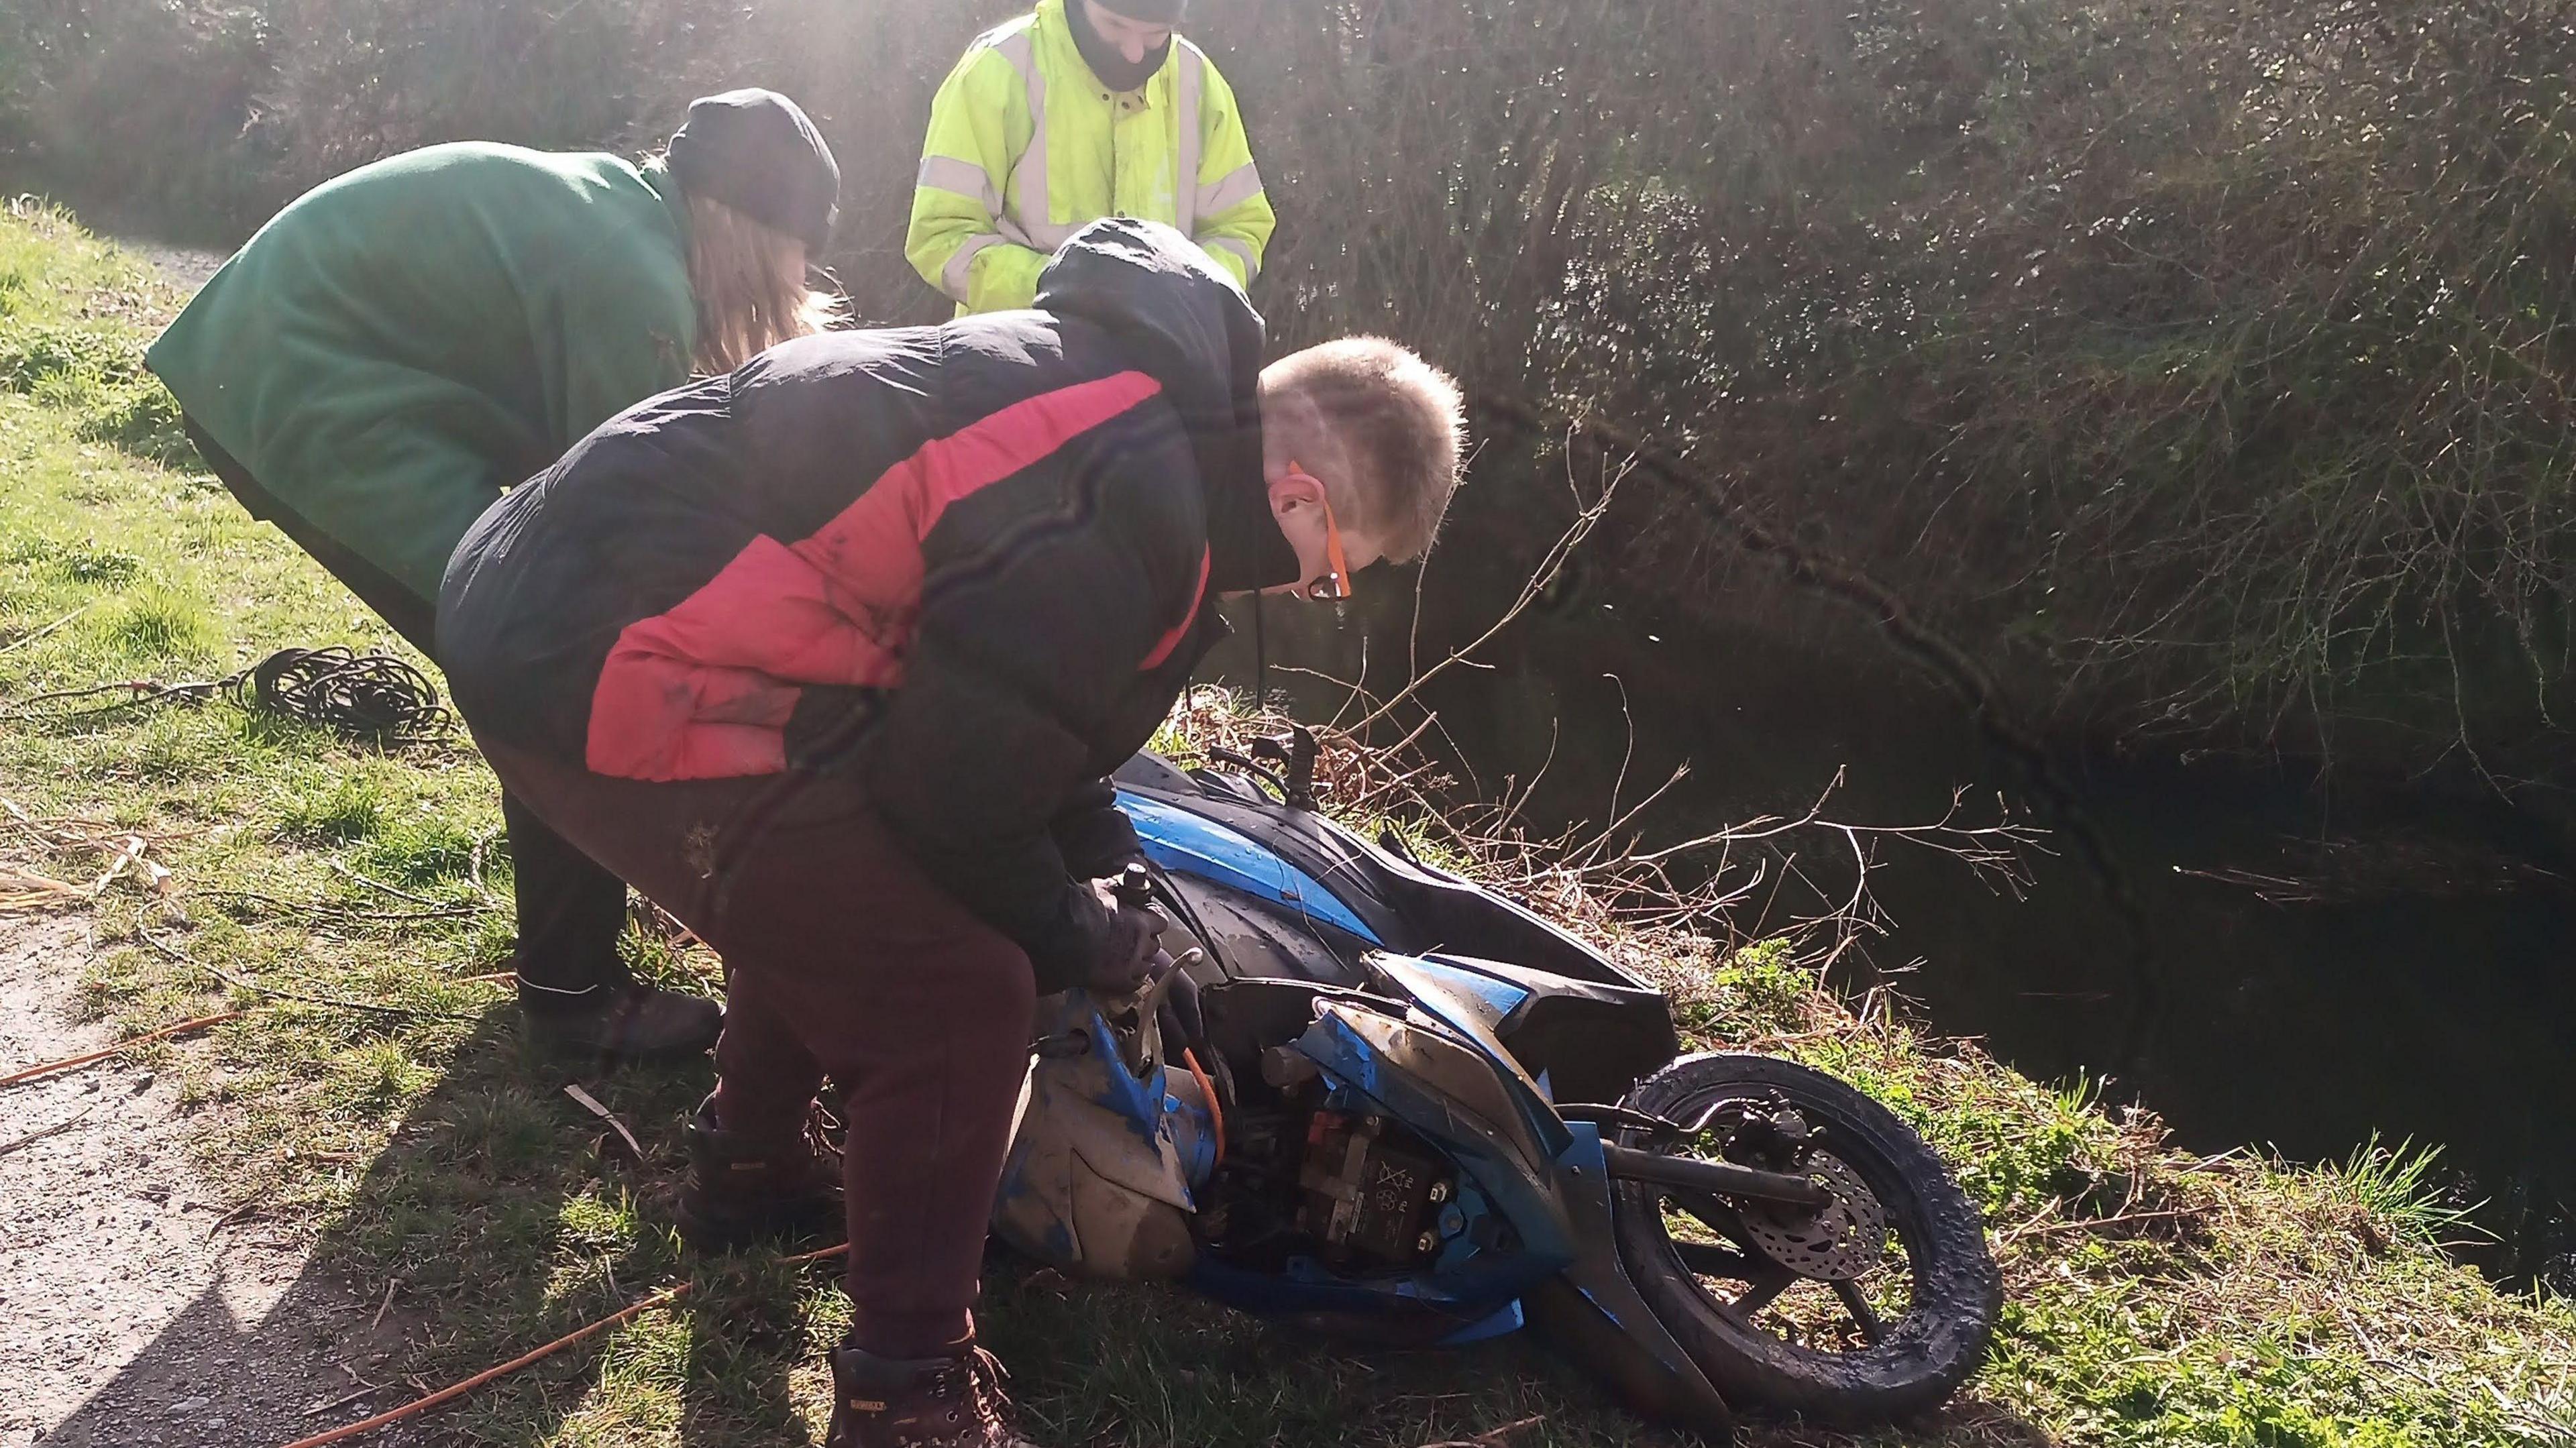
1134 939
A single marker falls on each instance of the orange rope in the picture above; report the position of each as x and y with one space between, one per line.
663 1298
1216 1110
146 1038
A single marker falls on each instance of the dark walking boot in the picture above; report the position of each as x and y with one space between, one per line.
741 1190
941 1402
625 1022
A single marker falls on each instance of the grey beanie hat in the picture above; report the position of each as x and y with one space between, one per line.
759 153
1150 12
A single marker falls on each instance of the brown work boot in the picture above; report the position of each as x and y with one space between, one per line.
941 1402
623 1021
743 1190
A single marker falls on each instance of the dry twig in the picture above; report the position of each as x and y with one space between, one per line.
453 1391
1491 1437
60 1126
182 1028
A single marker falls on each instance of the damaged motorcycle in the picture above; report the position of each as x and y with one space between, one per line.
1377 1099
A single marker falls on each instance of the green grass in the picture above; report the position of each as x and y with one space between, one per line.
2399 1187
2154 1298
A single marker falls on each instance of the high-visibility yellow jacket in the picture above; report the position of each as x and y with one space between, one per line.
1027 146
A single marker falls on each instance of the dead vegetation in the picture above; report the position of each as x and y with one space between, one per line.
34 849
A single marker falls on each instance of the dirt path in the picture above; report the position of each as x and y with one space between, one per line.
125 1318
189 266
133 1309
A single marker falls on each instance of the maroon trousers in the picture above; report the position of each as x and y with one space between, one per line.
843 961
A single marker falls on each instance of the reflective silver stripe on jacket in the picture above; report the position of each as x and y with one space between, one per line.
1185 174
962 178
1029 224
956 278
1238 248
1236 188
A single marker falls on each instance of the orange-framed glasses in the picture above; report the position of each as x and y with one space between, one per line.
1335 585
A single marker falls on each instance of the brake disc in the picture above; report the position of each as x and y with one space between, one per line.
1837 1242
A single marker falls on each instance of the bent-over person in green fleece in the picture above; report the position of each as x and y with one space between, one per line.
400 345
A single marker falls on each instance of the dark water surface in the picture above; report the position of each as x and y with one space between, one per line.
2428 996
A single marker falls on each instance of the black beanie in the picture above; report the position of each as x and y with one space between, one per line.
1147 12
757 152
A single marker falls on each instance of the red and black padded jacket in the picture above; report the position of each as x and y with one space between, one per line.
973 564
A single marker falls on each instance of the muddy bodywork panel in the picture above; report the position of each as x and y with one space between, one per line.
1104 1156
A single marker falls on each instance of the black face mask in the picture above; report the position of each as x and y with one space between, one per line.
1114 70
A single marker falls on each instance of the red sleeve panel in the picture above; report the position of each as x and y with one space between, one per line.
704 690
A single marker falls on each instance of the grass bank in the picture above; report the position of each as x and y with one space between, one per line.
2154 1298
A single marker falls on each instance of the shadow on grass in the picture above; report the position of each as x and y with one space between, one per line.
500 1222
503 1220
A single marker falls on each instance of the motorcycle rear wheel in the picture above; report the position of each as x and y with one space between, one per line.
1910 1329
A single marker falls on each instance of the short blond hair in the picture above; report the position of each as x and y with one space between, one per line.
750 285
1398 422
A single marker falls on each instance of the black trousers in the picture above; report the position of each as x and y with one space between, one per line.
570 910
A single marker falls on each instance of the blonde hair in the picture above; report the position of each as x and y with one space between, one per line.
750 286
1397 423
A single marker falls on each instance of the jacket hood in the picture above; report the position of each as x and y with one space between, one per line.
1191 329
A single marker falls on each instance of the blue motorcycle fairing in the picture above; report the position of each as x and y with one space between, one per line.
1462 1302
1314 1291
1192 844
1449 1085
1491 998
1502 1322
1431 985
1437 1079
1594 1291
1406 904
1143 1102
1286 893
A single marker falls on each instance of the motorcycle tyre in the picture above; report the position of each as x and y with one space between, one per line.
1958 1292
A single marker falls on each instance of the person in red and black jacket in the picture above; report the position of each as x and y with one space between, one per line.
831 655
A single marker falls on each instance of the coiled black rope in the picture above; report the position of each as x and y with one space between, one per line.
367 696
374 697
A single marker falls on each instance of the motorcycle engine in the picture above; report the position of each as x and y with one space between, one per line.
1311 1171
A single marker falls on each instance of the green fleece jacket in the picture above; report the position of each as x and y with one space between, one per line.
401 344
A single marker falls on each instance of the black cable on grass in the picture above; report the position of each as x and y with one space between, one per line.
179 956
376 696
372 696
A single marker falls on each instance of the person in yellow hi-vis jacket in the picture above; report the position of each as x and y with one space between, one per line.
1079 110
